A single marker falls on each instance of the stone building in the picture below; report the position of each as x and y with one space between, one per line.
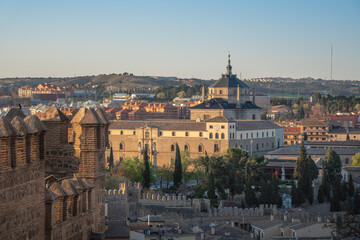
229 97
227 119
52 188
216 135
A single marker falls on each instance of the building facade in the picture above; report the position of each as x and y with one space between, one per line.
52 188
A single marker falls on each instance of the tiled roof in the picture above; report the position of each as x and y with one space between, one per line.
22 128
334 144
292 130
35 124
185 125
344 131
242 125
294 150
219 119
313 122
229 81
53 114
220 103
13 112
6 128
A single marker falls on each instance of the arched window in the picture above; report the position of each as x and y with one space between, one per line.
200 134
223 136
210 135
216 136
200 148
186 147
241 136
121 146
172 147
121 132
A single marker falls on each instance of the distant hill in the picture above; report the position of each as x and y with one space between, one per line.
115 81
271 86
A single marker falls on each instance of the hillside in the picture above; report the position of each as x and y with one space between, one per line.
272 86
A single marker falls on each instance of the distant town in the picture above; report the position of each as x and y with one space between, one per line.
127 157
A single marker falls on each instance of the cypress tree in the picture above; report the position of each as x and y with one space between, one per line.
294 200
332 163
111 160
178 168
325 184
146 173
351 188
249 194
242 204
311 195
335 203
320 196
343 191
211 188
301 172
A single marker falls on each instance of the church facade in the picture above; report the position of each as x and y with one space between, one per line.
227 119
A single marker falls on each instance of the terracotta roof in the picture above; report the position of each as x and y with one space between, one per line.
219 119
22 128
291 130
35 124
294 150
313 122
243 125
6 128
53 114
13 112
185 125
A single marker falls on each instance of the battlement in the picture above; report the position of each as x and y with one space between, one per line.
166 200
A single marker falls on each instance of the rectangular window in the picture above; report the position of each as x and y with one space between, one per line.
211 126
216 148
222 127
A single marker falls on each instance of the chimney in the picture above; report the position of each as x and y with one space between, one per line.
253 95
203 94
238 97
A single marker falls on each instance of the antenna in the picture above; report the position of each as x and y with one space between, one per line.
331 63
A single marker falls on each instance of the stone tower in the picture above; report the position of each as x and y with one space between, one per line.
90 142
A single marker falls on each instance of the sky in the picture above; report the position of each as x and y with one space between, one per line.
183 38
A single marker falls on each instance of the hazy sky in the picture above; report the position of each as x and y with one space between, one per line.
180 38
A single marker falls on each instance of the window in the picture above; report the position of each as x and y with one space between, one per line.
247 135
160 133
186 134
346 160
172 147
216 148
262 134
222 126
222 136
210 135
200 148
241 136
211 126
121 146
257 134
216 136
252 136
220 91
134 132
253 117
200 134
267 134
257 146
272 144
121 132
173 133
186 147
272 133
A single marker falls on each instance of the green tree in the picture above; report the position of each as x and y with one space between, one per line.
311 195
305 171
356 159
332 163
146 172
111 161
356 206
166 173
320 196
211 188
325 183
178 168
351 188
335 203
249 194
